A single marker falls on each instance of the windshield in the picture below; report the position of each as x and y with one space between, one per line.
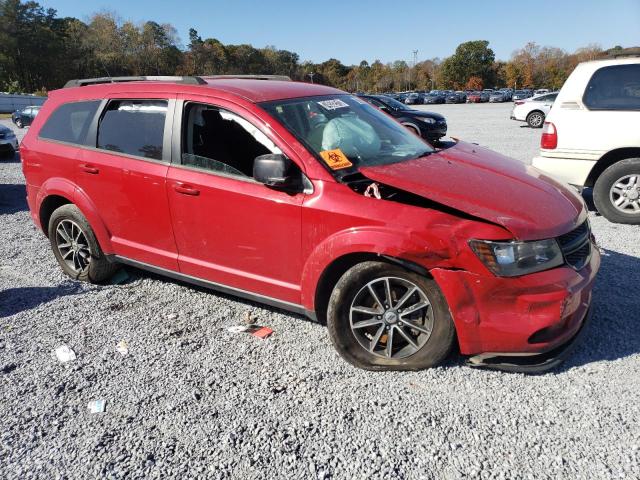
393 103
346 133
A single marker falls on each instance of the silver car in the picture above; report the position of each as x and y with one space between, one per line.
533 110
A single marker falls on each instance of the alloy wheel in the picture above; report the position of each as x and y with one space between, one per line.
72 245
391 317
625 194
535 120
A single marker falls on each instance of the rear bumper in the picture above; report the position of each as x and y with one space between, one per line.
573 171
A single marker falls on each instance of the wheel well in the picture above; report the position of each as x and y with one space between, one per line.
609 159
49 205
339 266
535 111
412 126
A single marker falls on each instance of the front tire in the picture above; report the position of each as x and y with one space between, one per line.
19 123
75 246
413 129
616 193
383 317
9 154
535 119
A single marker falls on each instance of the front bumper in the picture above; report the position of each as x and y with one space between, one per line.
531 362
528 316
433 132
8 144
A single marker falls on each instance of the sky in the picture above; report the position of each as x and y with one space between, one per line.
355 30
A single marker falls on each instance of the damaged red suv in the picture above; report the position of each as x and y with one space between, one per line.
306 198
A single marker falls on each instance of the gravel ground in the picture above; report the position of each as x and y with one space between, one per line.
192 400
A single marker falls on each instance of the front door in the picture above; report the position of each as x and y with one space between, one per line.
229 228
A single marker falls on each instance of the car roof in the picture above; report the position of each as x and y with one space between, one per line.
251 89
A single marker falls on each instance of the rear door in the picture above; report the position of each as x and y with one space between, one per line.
125 175
230 229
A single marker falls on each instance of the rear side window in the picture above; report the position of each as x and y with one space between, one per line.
70 122
614 88
134 127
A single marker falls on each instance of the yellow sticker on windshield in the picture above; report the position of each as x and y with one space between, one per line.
336 159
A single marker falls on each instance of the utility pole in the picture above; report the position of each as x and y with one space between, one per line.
311 76
415 60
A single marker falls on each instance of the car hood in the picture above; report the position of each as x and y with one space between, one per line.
490 186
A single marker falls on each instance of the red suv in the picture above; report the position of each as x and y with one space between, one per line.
307 198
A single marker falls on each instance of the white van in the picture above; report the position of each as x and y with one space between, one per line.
591 137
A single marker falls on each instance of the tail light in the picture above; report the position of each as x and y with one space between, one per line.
549 139
519 102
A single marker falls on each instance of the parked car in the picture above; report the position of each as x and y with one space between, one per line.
433 98
591 136
413 99
8 142
478 97
541 91
533 110
497 97
306 198
453 97
507 93
520 95
428 125
23 118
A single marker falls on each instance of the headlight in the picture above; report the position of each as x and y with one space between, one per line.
510 259
428 120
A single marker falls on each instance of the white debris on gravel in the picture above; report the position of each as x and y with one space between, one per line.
194 401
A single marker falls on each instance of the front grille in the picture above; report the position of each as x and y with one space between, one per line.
576 246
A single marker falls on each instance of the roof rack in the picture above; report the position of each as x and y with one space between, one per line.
283 78
193 80
159 78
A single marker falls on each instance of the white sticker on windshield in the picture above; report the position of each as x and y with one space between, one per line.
333 104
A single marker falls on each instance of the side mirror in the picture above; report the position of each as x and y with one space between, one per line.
272 169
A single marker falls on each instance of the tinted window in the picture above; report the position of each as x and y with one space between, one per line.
220 141
614 88
546 98
70 122
134 127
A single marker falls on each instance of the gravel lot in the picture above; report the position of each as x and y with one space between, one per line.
192 400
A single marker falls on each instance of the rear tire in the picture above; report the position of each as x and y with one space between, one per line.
19 123
383 343
535 119
616 192
75 246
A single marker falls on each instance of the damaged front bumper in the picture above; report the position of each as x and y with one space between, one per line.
530 362
525 324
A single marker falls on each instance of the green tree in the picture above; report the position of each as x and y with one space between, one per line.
471 59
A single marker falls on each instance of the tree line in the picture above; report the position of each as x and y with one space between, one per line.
41 51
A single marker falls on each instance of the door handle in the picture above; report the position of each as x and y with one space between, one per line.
89 169
186 189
